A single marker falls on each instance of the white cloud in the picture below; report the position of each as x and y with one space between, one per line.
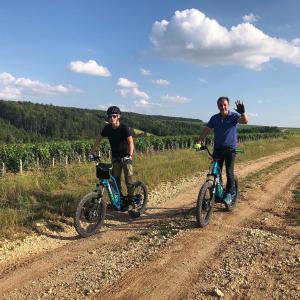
145 72
251 18
130 89
176 99
124 82
6 78
142 103
136 92
10 93
91 68
15 88
40 87
296 42
161 82
193 37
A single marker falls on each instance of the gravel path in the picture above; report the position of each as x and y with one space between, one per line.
58 265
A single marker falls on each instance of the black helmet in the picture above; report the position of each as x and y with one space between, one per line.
113 110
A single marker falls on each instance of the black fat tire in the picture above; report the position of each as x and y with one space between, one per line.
232 205
205 205
79 215
137 211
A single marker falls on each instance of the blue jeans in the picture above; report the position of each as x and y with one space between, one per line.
227 155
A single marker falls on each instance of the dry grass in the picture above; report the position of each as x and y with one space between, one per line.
53 193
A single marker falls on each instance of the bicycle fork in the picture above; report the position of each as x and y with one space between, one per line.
100 191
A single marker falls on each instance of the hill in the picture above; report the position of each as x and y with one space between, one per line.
32 122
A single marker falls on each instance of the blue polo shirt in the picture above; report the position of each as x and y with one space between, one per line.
225 130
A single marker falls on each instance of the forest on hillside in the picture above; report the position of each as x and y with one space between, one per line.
33 122
23 122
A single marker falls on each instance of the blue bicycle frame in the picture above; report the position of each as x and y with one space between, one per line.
113 191
217 185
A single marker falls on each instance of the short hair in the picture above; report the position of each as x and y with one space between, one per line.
222 98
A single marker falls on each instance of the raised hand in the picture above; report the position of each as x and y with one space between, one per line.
240 107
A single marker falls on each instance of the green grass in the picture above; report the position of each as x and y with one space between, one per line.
53 193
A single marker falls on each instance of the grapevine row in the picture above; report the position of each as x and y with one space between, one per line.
11 154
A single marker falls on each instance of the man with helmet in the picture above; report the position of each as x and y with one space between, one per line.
122 147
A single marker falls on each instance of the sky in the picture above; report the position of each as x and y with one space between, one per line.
170 57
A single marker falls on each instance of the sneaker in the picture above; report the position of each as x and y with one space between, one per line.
228 199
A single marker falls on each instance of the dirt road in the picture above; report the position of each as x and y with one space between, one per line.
163 255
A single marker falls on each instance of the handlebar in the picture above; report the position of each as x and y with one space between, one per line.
204 147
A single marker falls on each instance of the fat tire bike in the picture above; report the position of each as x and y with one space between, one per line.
213 191
91 209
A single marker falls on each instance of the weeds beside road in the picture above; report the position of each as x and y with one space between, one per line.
51 194
157 256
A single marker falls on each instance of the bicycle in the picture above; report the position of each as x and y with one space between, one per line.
91 209
213 191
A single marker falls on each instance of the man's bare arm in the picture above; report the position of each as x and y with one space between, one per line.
96 144
243 119
204 134
130 145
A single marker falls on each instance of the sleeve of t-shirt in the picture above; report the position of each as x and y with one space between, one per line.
127 131
104 131
210 123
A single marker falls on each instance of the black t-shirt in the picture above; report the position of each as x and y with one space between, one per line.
117 139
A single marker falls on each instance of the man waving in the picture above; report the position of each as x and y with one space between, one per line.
224 125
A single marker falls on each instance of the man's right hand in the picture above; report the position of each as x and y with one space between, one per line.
240 108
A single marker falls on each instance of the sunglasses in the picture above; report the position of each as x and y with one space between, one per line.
112 116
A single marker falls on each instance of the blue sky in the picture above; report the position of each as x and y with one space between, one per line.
166 57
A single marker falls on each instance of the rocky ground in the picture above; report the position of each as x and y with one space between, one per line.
250 253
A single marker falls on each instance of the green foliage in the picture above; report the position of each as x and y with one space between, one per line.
43 153
29 122
49 193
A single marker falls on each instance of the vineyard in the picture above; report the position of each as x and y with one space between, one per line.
24 156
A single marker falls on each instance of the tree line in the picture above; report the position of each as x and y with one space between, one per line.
33 122
27 122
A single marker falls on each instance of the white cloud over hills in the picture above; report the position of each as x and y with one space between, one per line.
15 88
130 89
251 18
192 36
90 67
